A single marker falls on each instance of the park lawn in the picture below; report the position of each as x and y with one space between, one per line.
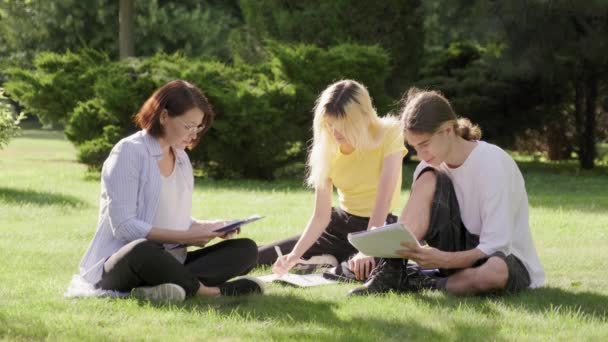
48 212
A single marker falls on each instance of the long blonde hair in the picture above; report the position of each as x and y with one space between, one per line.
348 106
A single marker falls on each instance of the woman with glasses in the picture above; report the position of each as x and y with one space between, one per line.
144 221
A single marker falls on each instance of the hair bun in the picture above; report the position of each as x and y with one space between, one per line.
467 130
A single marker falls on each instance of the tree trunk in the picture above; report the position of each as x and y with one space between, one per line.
585 101
591 85
556 142
126 17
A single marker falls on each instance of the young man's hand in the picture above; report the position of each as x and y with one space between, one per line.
426 257
361 265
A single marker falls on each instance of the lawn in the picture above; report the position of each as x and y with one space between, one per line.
48 212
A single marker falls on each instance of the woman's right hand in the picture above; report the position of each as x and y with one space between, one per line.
200 234
284 264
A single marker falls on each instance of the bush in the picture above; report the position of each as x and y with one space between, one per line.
254 127
87 121
395 25
264 115
312 69
9 124
94 152
58 82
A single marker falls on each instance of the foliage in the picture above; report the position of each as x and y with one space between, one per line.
9 122
559 46
56 84
501 105
396 25
263 111
193 27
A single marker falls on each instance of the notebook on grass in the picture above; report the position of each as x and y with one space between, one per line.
382 242
301 280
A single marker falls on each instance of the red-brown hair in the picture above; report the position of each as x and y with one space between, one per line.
177 97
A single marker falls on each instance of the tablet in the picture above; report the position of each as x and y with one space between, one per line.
234 225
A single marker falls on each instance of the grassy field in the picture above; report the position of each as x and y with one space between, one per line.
48 212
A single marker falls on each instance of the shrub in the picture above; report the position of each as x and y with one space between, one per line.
263 111
87 121
95 151
59 81
9 124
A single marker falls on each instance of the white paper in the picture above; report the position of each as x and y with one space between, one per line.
302 280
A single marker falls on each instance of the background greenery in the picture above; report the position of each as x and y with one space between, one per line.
532 74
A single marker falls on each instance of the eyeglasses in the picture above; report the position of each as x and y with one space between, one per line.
191 129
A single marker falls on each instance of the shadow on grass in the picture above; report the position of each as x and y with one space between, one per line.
317 320
18 196
538 301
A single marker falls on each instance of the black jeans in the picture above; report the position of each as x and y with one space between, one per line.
333 241
447 233
147 263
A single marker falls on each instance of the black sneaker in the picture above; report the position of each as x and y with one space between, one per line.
416 280
341 273
387 276
242 286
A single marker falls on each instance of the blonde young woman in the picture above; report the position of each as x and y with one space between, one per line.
361 155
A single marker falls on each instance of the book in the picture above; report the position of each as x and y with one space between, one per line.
227 228
382 242
300 280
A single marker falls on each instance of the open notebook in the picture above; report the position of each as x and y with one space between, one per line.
301 280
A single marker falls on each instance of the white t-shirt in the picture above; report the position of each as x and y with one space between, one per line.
493 204
174 208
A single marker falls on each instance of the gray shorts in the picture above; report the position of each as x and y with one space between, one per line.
519 278
448 233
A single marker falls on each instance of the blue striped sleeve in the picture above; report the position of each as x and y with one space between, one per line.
121 181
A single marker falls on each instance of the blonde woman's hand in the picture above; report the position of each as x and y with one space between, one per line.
284 264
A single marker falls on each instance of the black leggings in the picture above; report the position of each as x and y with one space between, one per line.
333 241
147 263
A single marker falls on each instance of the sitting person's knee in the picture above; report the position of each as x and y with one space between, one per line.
247 247
493 275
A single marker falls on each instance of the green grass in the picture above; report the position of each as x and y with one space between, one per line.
48 211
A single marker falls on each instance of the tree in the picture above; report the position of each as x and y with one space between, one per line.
561 46
126 20
565 43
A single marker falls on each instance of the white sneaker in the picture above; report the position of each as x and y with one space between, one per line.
167 292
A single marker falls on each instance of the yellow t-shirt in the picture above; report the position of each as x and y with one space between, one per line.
357 175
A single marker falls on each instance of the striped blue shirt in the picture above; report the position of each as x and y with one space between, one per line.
130 191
